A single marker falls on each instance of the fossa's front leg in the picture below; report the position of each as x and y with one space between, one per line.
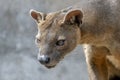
113 63
96 62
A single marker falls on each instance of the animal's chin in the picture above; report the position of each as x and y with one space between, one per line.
49 67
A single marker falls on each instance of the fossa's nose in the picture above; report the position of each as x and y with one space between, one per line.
43 59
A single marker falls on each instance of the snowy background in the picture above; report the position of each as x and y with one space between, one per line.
18 52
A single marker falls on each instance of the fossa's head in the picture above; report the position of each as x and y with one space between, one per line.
58 34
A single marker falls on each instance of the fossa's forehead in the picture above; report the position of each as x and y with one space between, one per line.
52 20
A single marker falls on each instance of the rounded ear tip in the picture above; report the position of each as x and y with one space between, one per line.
31 10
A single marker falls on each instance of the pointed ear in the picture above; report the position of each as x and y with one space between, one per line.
37 16
73 16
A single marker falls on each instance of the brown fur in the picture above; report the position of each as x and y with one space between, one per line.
93 23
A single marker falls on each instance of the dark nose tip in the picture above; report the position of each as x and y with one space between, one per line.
44 59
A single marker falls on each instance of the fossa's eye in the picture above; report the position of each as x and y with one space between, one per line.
60 42
37 40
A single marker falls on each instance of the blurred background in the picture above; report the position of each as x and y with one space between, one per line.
18 52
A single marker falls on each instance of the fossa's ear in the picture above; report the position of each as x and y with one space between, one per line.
73 16
37 16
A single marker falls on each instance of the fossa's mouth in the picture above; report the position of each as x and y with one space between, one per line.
49 67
